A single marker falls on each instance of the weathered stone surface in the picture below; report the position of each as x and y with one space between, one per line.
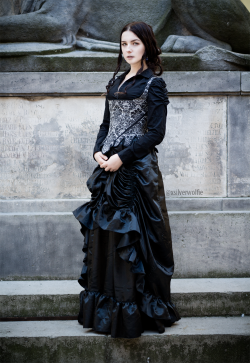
17 49
216 57
239 146
48 245
40 246
188 44
97 45
46 146
30 83
236 204
59 21
212 244
193 154
173 204
47 143
90 61
193 297
77 61
72 83
216 21
40 205
215 82
213 339
245 82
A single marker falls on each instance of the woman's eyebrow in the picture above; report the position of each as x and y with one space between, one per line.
131 40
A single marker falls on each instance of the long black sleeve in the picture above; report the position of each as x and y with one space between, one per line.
157 115
104 128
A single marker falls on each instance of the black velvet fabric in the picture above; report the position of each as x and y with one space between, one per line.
128 261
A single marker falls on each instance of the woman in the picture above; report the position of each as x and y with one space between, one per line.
128 261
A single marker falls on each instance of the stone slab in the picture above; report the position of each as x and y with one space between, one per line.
239 147
245 83
188 326
46 146
178 286
236 204
77 61
193 297
200 82
89 61
206 82
192 156
48 245
19 49
30 83
40 246
217 242
173 204
213 339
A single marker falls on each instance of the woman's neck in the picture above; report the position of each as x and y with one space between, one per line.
134 68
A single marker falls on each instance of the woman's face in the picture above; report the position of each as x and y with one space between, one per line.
132 47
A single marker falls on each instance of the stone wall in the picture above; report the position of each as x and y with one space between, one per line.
48 127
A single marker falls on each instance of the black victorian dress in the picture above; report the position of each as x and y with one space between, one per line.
128 262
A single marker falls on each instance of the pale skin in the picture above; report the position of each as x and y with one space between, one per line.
133 47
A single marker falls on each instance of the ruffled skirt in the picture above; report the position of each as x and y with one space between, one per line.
128 262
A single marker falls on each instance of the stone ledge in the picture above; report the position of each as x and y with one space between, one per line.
88 61
213 339
193 297
93 83
29 48
206 82
178 286
173 204
188 326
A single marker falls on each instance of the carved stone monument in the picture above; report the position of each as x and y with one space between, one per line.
180 27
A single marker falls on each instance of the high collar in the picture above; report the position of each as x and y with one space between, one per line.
147 73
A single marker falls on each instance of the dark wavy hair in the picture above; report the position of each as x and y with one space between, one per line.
152 51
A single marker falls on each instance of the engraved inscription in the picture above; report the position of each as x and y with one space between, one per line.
46 145
192 156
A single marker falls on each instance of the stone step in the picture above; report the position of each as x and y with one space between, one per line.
193 297
206 340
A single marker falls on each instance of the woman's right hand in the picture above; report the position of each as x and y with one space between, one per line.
100 157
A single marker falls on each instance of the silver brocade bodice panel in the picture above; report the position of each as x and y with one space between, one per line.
128 120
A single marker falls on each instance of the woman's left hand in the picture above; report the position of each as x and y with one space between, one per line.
112 164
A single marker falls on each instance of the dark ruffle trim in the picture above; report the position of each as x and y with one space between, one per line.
105 314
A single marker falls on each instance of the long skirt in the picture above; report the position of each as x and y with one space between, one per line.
128 261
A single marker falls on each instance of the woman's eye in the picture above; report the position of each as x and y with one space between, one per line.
135 43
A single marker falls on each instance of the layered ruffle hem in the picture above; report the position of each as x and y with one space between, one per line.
128 261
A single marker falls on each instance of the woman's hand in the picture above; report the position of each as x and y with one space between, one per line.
112 164
100 157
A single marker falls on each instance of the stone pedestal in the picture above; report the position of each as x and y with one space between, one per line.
48 127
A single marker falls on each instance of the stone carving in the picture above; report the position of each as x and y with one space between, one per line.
223 23
180 26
